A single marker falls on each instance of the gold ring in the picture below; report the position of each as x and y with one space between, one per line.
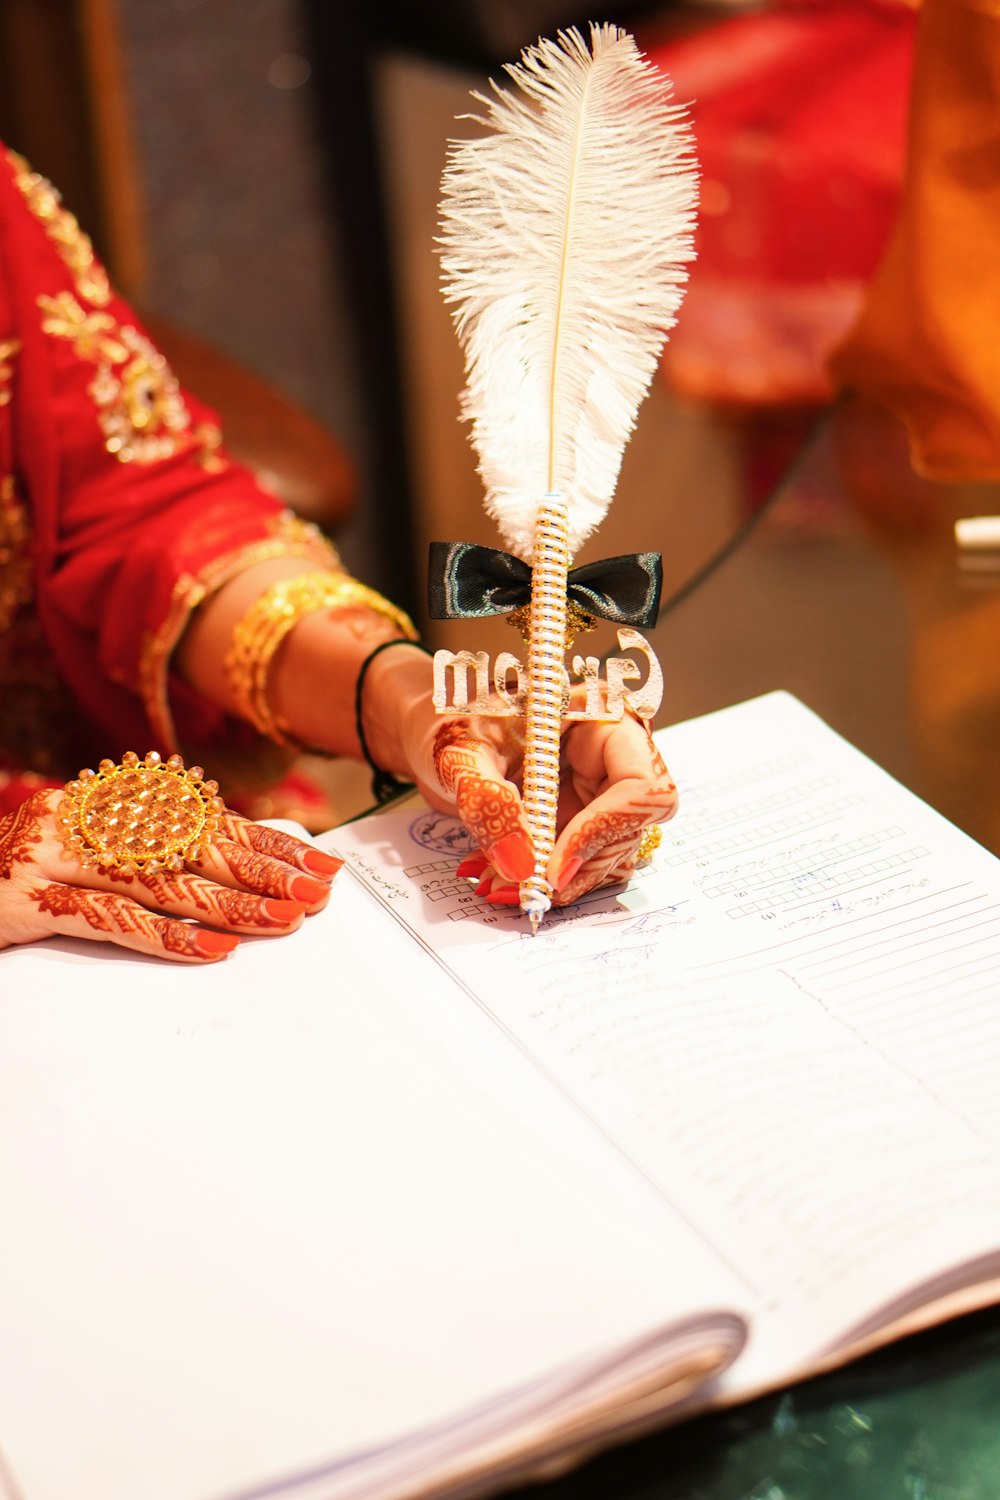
140 815
652 838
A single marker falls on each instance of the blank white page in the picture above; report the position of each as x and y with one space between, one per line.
262 1216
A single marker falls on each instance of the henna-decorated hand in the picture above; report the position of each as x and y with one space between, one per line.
251 880
614 786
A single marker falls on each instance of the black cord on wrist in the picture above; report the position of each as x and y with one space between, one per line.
385 785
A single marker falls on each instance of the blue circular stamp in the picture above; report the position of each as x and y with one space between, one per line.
442 834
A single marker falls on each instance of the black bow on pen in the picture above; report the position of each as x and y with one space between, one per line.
466 581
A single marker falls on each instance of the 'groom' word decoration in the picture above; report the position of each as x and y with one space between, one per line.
468 581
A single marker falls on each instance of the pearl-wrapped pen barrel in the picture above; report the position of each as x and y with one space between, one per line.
544 706
566 224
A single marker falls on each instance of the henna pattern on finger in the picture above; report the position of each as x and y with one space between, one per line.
97 908
191 942
279 845
600 845
609 842
605 830
454 754
178 887
595 876
166 889
656 759
659 764
241 909
20 832
251 869
255 871
101 910
658 802
490 811
219 905
105 912
590 878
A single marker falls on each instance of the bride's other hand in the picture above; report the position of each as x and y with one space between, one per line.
249 880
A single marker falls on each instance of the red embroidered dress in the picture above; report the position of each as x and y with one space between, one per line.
119 510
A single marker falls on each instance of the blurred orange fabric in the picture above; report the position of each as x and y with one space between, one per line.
927 344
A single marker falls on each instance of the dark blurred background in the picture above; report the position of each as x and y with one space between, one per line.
224 156
262 178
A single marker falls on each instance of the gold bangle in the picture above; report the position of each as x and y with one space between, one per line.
269 620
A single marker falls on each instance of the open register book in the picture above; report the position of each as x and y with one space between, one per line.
413 1203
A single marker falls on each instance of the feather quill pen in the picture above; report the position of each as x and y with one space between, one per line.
564 236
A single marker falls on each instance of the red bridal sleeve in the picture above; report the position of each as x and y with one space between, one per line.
136 510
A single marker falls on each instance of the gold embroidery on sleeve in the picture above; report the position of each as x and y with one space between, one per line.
208 437
140 408
88 332
74 247
15 559
8 348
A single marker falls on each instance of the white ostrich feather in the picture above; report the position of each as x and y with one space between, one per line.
564 236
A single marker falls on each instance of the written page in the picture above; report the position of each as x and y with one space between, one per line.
788 1022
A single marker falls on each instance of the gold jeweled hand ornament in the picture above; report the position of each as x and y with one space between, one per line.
140 815
564 235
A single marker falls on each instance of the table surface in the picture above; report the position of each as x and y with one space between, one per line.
847 589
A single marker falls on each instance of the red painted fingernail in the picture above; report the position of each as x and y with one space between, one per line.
309 891
284 911
473 865
513 856
504 895
320 863
215 944
485 886
568 872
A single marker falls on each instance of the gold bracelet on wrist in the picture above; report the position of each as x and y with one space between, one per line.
269 620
